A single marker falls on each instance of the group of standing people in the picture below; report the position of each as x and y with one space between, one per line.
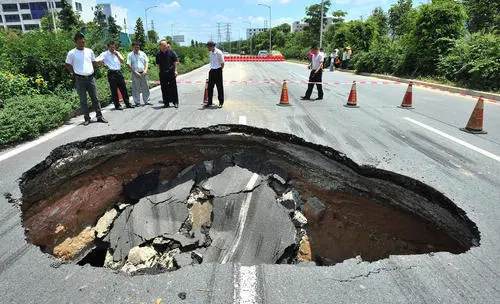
81 62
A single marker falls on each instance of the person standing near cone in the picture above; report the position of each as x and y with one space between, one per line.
215 74
316 75
137 61
167 63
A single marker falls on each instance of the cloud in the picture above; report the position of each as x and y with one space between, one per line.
169 7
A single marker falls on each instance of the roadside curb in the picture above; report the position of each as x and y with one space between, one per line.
495 98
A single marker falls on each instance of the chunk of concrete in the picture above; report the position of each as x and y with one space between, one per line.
232 180
314 208
299 220
290 200
105 222
141 255
201 215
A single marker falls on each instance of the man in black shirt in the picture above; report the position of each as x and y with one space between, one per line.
166 61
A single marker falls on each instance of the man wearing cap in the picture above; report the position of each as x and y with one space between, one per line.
167 63
81 62
316 67
112 59
138 62
215 74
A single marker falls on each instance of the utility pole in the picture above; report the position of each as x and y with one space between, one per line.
250 35
218 34
228 35
146 23
270 27
321 27
53 15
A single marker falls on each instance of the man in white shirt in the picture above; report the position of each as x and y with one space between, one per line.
316 75
138 62
215 74
81 62
112 59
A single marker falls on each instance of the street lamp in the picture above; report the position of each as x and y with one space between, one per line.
321 27
146 13
270 27
250 22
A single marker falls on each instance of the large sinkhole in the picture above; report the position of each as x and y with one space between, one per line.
153 201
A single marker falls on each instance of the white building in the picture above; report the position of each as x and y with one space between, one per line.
25 14
254 31
298 26
118 13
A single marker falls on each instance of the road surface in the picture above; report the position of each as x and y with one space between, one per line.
424 143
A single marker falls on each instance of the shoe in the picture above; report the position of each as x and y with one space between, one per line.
102 119
147 103
319 98
207 105
176 105
166 105
220 106
86 122
304 98
129 106
119 108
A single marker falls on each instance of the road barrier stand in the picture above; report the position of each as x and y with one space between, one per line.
284 100
352 101
120 97
205 95
407 100
475 124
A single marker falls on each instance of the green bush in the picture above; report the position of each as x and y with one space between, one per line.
40 113
474 62
14 85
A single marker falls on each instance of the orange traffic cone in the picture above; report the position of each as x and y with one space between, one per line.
407 100
353 98
205 95
475 124
120 97
284 101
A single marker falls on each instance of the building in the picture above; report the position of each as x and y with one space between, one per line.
25 15
118 13
298 26
254 31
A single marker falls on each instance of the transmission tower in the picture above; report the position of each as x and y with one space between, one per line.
219 35
228 35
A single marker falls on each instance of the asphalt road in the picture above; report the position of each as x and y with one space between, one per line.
424 143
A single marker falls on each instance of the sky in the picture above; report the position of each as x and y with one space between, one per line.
197 19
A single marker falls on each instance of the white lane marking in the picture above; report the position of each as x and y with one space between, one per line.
32 144
242 218
458 141
248 285
243 120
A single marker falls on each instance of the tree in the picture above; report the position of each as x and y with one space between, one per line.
313 18
68 19
439 25
399 17
139 32
381 20
483 15
47 23
100 17
285 28
153 36
114 31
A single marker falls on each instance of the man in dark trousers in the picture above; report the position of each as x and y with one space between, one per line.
81 62
215 74
166 61
316 75
112 59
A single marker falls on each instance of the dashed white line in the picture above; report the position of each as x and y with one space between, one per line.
248 285
456 140
242 218
243 120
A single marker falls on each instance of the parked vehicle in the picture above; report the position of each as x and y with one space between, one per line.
262 53
275 53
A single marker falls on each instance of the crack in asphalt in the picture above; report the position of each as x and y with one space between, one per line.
371 272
